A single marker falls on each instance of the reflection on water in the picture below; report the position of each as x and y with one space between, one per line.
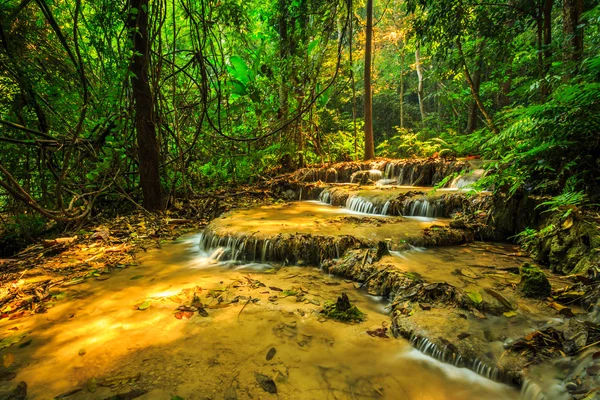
99 333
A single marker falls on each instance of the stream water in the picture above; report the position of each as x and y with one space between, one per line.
98 335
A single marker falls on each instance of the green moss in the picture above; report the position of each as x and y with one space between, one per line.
534 282
342 310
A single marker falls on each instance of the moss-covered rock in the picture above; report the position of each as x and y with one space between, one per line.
342 310
534 282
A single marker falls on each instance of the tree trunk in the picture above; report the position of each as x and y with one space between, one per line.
573 45
472 121
474 92
369 142
420 87
144 108
402 87
354 108
547 31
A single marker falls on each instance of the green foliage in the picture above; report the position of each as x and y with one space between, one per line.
407 143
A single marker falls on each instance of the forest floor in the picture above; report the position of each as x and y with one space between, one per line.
31 281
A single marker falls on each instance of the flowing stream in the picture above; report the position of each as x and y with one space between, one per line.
99 335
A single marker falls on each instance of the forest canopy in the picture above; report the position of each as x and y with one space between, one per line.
152 102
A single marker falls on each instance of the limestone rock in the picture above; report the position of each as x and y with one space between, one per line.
534 282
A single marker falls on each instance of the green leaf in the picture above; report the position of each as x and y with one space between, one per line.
145 305
240 69
475 297
312 45
239 88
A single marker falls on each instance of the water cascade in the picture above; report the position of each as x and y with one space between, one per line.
287 249
364 176
448 355
361 205
531 391
467 180
425 208
325 196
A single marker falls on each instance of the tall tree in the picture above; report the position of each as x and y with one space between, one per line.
573 33
148 153
420 90
369 142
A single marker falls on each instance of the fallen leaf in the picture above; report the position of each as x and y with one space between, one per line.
463 335
92 385
510 314
568 223
145 305
81 352
137 277
9 358
184 314
379 332
10 340
475 297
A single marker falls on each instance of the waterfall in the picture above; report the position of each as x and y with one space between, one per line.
358 204
362 205
424 208
373 175
325 196
467 180
390 168
386 207
448 355
531 391
431 349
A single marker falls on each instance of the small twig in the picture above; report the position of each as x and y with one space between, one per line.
249 298
587 347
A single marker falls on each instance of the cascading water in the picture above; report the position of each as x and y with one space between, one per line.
447 355
360 176
325 196
362 205
531 391
424 208
467 180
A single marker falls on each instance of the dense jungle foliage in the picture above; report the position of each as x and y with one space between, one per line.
151 102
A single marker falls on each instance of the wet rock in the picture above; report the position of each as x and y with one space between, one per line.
266 383
343 303
271 353
20 393
534 283
576 336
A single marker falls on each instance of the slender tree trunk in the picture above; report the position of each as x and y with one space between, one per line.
369 142
420 91
144 108
472 121
547 31
284 52
573 44
353 81
402 87
474 92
